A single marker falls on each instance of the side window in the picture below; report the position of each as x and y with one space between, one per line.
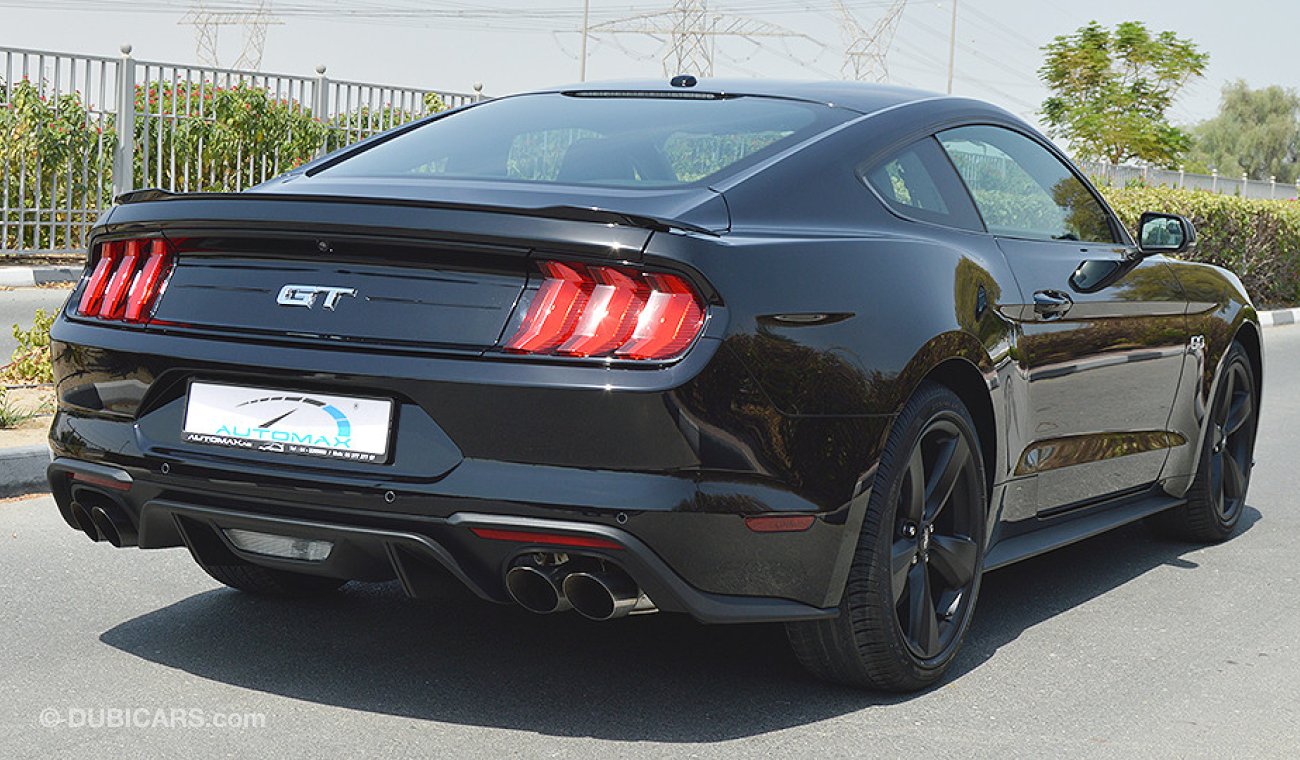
918 182
1021 189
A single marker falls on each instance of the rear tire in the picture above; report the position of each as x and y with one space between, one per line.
265 581
916 572
1217 496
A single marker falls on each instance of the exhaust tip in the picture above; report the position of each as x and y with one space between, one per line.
85 523
602 596
536 590
113 526
104 524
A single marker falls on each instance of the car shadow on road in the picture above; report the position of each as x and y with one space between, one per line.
657 678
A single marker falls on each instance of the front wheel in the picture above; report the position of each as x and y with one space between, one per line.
916 572
1217 496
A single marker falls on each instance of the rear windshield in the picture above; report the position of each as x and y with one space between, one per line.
611 140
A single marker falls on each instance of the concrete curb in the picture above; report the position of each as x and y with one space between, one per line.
27 277
22 470
1279 317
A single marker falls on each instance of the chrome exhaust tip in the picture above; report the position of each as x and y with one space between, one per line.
606 595
538 589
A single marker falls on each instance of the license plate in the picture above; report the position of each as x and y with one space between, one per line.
288 422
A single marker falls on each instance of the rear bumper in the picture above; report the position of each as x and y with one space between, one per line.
431 554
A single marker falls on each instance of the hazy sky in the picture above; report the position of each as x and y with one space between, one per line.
536 44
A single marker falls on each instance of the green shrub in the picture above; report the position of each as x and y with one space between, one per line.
11 416
31 360
1257 239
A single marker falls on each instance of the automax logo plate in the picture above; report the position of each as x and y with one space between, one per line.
288 422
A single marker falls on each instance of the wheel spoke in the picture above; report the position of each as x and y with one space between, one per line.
1234 480
1216 480
900 562
1238 413
953 557
922 624
948 468
914 500
1229 390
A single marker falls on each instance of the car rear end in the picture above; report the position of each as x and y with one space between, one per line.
358 381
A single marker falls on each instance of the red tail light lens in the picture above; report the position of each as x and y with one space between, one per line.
126 280
601 311
93 296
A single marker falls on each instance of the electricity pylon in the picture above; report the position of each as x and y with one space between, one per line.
867 49
207 24
691 31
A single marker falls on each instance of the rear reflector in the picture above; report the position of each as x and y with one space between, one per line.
602 311
126 280
549 539
779 523
101 481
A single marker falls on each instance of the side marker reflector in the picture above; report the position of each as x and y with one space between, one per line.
779 523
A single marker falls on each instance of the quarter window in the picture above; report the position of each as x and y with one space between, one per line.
1022 190
919 183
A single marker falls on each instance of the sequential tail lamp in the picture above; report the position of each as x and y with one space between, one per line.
127 280
549 539
601 311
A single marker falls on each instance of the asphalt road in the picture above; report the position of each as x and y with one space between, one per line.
18 306
1124 646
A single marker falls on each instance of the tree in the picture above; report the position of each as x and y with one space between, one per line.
1256 132
1111 91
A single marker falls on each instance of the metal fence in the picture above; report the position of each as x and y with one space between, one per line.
78 130
1120 175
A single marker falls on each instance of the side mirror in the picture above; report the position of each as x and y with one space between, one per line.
1165 233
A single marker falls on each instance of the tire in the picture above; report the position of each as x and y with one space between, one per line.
894 632
265 581
1217 496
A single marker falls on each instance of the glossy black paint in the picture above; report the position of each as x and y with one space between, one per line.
826 311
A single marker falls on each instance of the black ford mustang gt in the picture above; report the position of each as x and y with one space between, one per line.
818 354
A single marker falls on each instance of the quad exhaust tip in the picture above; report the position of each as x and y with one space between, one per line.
538 589
84 522
103 520
598 594
113 525
606 595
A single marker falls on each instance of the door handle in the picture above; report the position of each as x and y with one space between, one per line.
1051 303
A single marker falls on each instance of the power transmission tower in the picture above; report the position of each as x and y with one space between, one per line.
867 49
691 31
207 23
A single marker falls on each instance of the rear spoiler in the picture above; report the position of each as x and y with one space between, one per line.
562 212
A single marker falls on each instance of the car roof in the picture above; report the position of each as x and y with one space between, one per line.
864 97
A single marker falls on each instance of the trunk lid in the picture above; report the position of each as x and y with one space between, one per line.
354 264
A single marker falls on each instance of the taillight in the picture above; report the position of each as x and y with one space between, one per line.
603 311
127 279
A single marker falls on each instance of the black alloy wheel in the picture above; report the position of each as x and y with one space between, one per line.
916 572
1232 440
1217 496
935 555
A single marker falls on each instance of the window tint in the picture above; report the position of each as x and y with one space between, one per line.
623 139
1021 189
919 183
